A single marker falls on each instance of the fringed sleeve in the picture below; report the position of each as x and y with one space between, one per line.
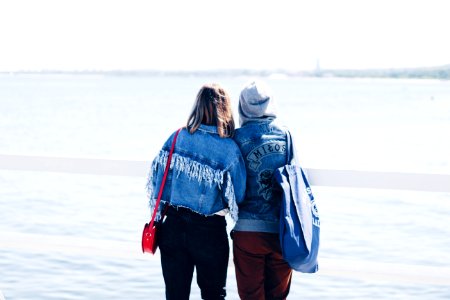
152 178
231 197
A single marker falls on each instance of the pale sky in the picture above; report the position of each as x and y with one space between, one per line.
206 34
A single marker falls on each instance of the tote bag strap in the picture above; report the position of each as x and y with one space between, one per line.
292 160
290 150
163 182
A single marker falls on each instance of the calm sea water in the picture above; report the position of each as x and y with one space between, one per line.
65 236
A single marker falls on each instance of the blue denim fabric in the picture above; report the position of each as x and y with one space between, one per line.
263 146
207 173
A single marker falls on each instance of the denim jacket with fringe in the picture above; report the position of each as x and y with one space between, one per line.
263 146
207 173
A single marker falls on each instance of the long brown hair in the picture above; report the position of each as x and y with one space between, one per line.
212 107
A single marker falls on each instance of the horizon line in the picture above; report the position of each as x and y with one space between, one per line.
435 72
224 70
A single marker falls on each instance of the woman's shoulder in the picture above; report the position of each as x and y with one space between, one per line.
228 145
227 149
169 141
207 146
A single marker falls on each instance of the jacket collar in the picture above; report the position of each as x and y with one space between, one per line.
259 121
208 128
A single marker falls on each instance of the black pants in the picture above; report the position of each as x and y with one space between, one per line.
188 240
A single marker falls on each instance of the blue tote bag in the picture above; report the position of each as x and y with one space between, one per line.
299 218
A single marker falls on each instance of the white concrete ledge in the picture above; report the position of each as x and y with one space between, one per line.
380 180
318 177
74 165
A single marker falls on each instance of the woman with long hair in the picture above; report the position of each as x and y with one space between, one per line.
206 181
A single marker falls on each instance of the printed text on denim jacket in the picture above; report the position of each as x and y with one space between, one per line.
263 146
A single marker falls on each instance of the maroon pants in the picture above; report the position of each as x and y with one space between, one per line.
261 271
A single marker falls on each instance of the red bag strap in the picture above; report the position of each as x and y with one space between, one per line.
163 182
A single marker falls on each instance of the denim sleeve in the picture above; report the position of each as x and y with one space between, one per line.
150 187
239 177
154 177
234 182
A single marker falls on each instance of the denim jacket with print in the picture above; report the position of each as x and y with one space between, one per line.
207 173
263 146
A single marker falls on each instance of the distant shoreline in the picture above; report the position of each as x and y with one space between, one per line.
441 72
